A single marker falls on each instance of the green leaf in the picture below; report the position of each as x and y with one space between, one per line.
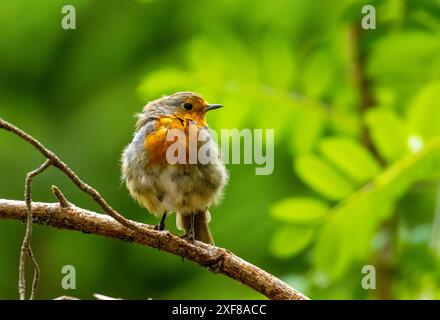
318 74
351 157
322 177
352 224
291 240
416 63
306 128
344 123
424 111
300 210
389 134
332 251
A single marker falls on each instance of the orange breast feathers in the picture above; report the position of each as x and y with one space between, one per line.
156 143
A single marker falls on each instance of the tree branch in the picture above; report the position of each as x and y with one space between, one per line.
56 162
26 249
367 102
217 260
64 215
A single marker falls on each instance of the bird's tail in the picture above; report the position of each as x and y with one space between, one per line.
201 225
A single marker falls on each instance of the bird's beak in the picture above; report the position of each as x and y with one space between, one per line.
210 107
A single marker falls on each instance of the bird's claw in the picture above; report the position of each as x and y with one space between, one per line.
190 237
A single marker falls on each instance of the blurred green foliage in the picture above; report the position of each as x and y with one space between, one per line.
288 65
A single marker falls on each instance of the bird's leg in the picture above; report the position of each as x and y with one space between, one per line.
190 236
192 233
161 225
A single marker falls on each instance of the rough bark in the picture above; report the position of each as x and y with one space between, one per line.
217 260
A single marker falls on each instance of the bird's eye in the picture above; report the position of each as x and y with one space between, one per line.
188 106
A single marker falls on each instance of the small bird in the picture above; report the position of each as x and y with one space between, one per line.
188 189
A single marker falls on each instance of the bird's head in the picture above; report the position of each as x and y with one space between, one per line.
183 105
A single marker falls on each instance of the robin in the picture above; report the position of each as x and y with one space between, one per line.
163 186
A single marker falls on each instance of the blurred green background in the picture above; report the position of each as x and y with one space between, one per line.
356 115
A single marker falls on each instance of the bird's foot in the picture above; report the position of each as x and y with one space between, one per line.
161 225
190 237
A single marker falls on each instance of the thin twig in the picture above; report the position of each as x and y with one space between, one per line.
58 163
367 101
99 296
363 86
68 298
215 259
26 245
36 279
61 198
435 233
